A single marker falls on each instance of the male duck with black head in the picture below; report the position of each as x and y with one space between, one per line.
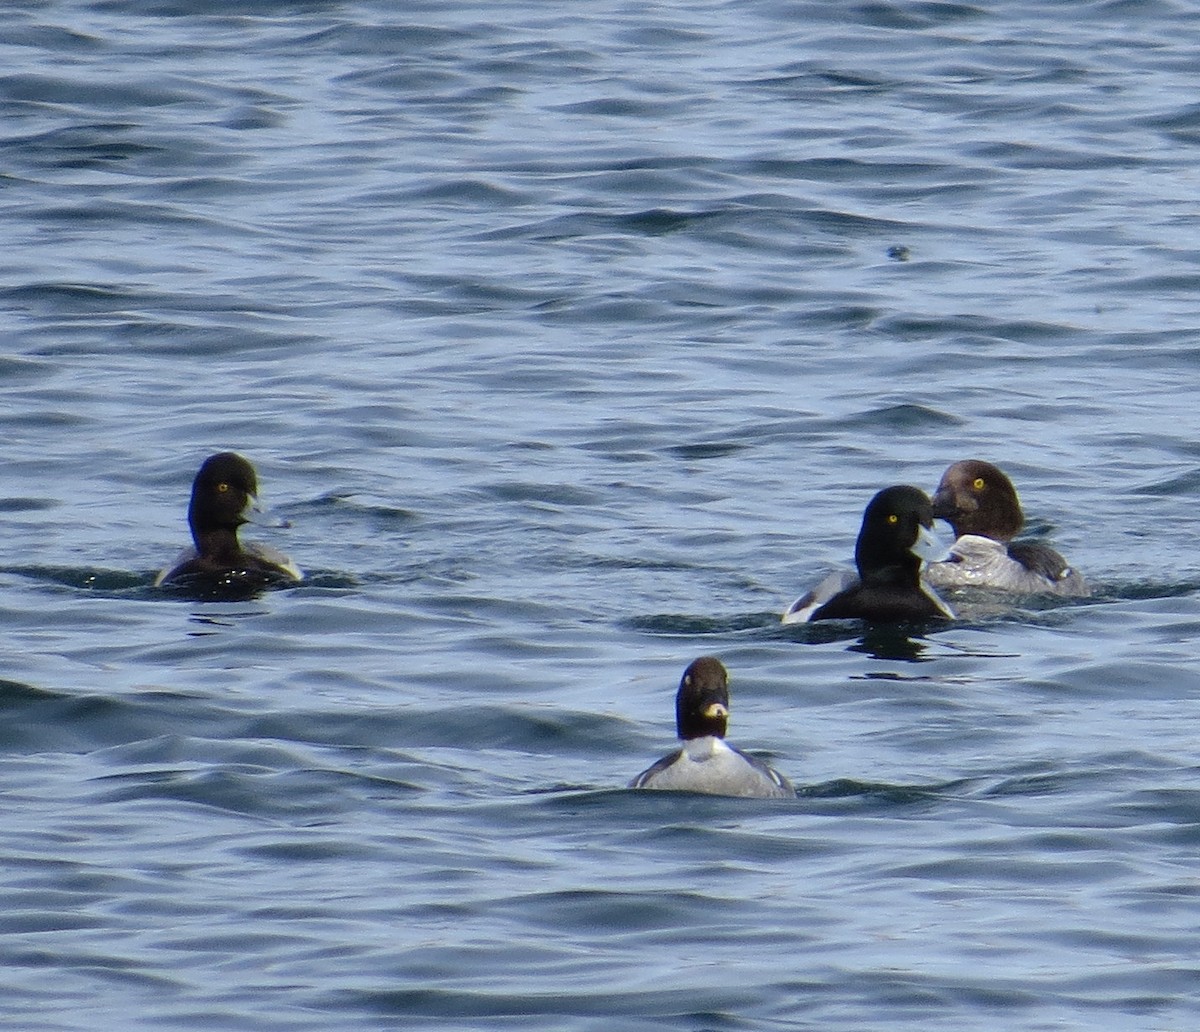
981 506
225 496
706 762
896 536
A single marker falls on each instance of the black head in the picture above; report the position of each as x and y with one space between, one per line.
222 494
896 519
702 702
974 497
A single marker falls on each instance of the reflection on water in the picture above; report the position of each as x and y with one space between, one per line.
891 642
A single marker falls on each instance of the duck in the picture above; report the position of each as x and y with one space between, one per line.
706 762
224 496
981 505
896 535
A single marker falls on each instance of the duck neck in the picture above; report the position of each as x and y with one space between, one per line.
217 543
892 569
703 747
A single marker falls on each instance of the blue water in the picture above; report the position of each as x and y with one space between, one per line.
571 341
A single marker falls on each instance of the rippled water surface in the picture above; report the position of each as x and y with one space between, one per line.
571 341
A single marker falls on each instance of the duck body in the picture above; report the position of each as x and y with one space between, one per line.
712 766
254 562
981 505
224 497
705 762
896 535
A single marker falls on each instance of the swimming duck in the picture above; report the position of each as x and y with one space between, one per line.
224 496
981 506
896 535
706 762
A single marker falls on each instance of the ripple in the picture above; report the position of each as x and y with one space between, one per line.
574 334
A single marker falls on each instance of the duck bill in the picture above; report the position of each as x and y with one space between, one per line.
258 514
928 546
945 507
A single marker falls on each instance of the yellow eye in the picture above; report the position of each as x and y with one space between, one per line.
222 488
893 518
978 483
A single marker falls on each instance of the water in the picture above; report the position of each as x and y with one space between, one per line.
571 340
